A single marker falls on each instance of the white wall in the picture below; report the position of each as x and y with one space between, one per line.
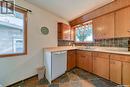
13 69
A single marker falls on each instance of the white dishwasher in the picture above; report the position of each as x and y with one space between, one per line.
59 64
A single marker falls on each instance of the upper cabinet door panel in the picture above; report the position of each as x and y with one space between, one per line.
104 26
122 23
65 32
72 34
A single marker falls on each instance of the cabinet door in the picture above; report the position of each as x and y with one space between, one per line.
72 34
115 71
80 59
122 23
84 60
104 27
71 59
60 34
101 67
126 73
64 31
88 62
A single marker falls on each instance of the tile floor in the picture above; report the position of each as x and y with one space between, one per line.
74 78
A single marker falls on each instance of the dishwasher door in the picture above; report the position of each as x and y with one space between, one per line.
59 64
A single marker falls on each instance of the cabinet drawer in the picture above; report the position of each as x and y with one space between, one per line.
70 52
101 55
84 53
123 58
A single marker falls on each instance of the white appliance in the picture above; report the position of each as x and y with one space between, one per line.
59 64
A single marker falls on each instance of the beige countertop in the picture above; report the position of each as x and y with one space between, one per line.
115 50
63 48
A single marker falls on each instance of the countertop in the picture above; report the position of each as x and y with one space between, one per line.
63 48
115 50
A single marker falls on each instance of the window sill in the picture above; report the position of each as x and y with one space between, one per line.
11 55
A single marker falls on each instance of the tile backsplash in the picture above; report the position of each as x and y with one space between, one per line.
115 42
65 43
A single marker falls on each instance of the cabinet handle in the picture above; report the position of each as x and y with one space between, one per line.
128 30
112 62
83 56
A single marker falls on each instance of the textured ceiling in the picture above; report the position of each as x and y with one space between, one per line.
69 9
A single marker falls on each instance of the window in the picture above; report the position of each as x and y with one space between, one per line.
13 33
84 33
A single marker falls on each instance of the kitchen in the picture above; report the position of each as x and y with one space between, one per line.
90 50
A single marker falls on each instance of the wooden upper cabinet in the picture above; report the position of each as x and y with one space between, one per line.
72 34
122 23
104 26
65 32
71 59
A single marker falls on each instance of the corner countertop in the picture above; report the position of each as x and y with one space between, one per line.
63 48
114 50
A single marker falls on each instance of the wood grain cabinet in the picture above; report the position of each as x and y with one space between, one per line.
65 32
104 26
120 69
126 73
84 60
122 23
116 68
115 71
101 64
71 59
80 59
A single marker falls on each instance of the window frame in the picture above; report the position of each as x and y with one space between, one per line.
86 42
25 35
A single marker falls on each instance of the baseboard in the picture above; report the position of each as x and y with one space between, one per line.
22 80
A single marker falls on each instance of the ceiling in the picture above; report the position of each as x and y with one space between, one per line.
69 9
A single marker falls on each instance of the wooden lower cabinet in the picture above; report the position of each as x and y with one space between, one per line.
101 67
126 73
71 59
80 61
109 66
115 71
101 64
88 63
84 60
